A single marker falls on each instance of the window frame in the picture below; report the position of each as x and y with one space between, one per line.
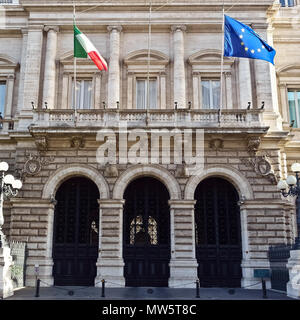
296 91
146 93
206 64
286 3
82 105
2 80
85 69
136 67
211 107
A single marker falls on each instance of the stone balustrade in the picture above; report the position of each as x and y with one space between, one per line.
149 118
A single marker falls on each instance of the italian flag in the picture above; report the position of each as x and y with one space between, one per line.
83 47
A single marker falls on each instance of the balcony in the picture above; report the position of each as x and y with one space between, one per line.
235 120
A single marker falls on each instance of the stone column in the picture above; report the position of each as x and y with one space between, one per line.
97 93
228 80
266 86
33 219
31 87
10 89
245 83
110 263
130 77
284 104
163 91
179 67
183 264
22 71
114 67
50 68
196 91
33 67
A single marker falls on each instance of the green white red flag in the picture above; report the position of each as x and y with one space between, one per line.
83 48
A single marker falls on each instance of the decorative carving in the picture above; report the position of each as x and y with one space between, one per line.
111 171
182 27
216 144
77 142
253 145
33 165
41 143
261 166
182 170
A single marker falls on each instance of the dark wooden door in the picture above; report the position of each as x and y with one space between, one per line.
218 234
75 241
146 248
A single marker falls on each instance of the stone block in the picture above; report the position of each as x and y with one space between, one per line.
38 225
29 232
30 218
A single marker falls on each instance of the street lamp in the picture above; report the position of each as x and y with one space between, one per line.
291 187
9 187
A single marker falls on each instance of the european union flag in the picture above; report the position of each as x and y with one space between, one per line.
241 41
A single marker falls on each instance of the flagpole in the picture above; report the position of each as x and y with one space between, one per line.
222 65
149 46
75 66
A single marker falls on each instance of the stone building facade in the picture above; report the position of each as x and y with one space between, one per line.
249 145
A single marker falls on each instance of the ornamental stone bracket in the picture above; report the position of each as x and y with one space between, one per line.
111 171
41 143
33 165
77 143
253 144
216 144
260 163
261 166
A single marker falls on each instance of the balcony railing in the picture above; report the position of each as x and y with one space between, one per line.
148 118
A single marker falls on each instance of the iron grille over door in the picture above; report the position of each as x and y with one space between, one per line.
146 248
75 241
218 234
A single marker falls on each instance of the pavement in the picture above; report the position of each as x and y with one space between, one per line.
141 293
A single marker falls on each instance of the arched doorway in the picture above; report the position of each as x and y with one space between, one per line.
218 234
75 238
146 232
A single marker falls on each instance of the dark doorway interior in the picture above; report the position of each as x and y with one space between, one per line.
218 234
75 240
146 230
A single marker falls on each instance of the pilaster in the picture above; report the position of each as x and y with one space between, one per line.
50 67
114 66
110 263
183 264
179 66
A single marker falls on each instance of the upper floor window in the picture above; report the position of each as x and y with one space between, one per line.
2 97
139 70
287 3
84 88
9 1
210 93
294 107
142 93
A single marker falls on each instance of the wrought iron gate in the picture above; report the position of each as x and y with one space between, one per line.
146 244
278 257
218 234
75 242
